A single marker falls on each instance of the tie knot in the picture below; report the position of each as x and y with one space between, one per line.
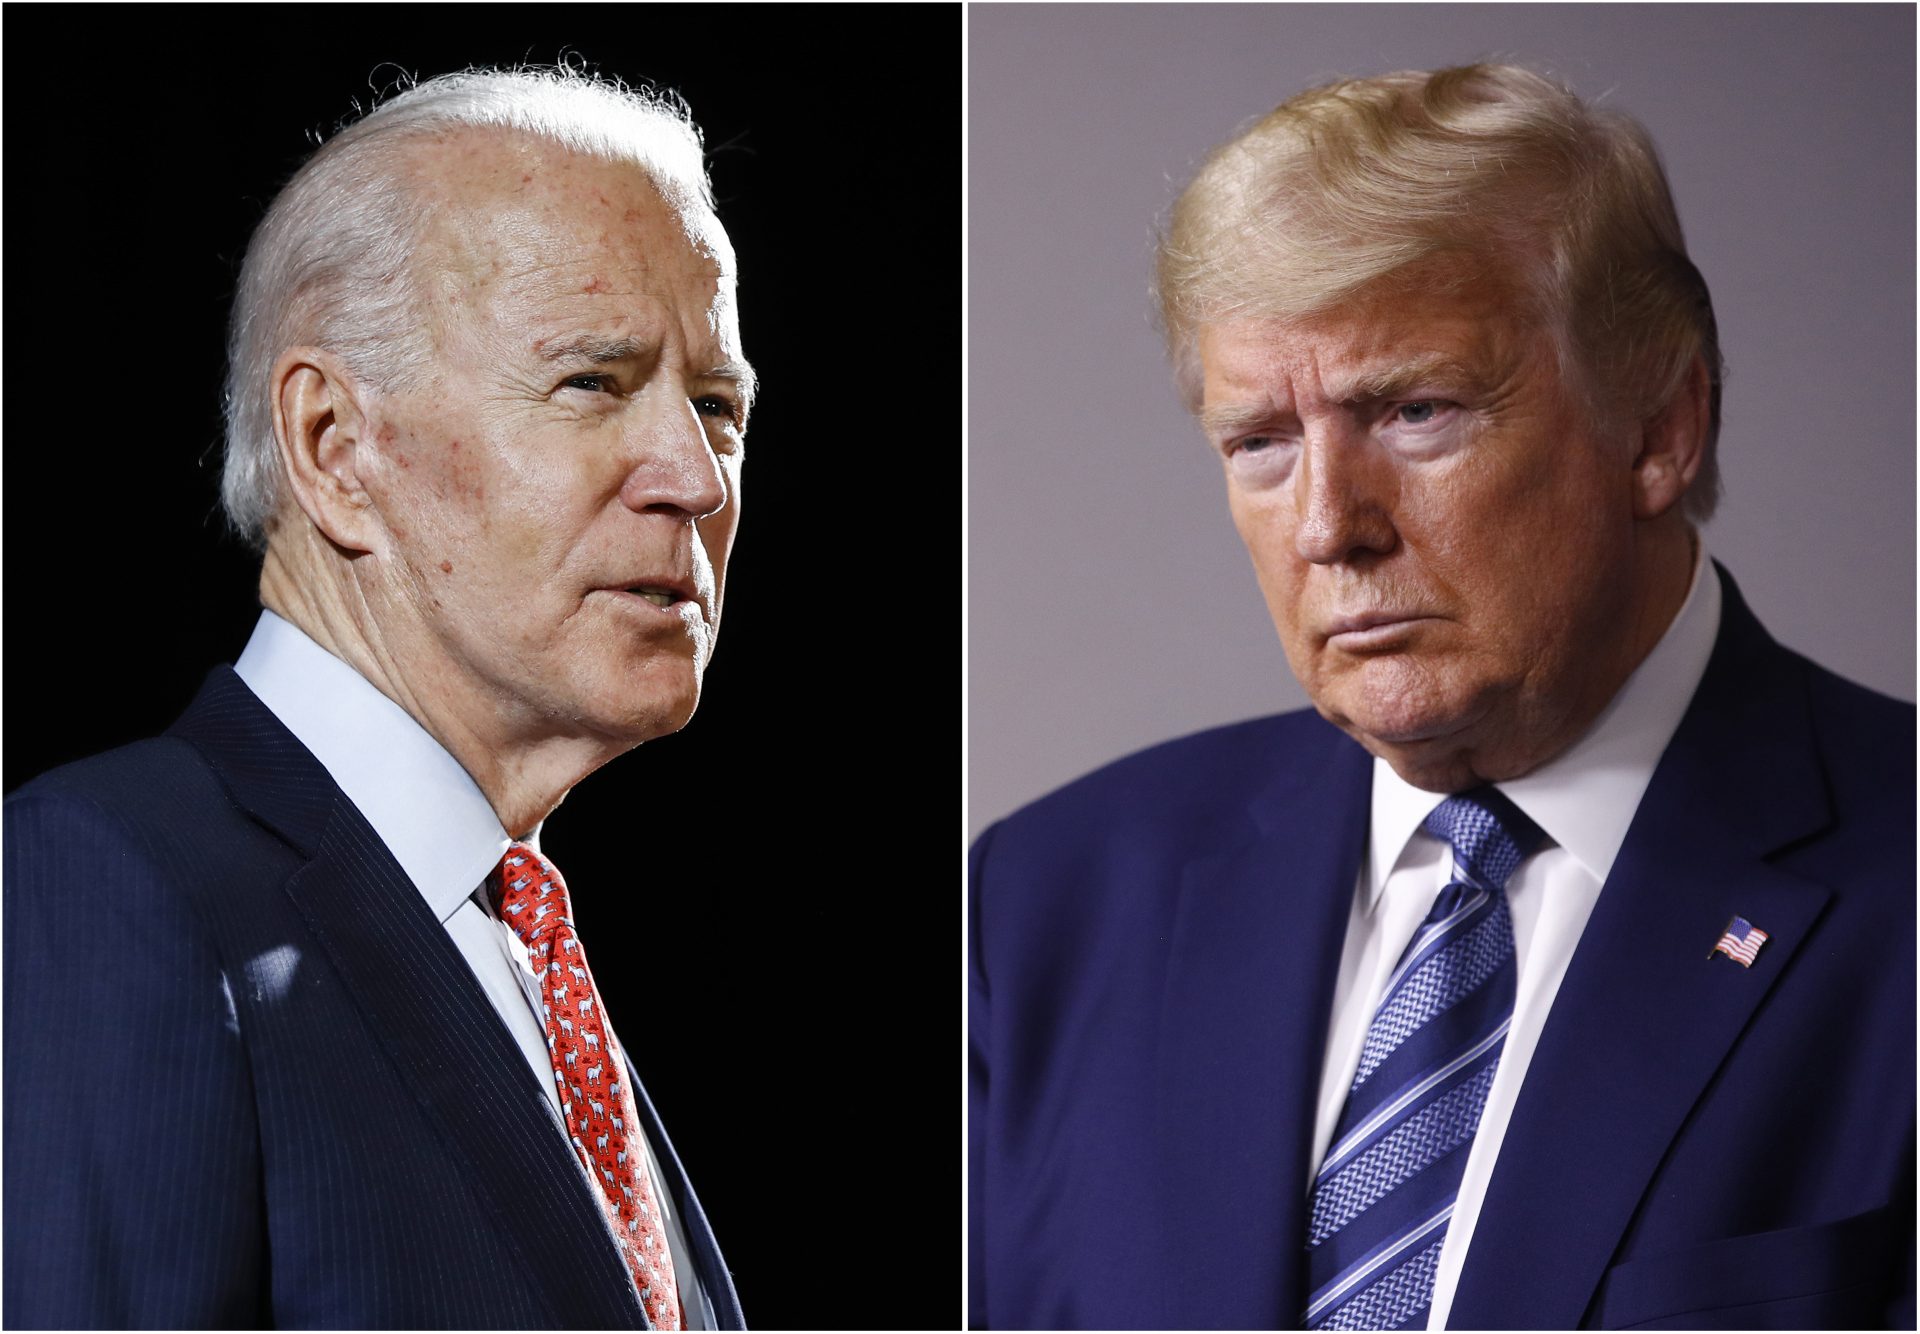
533 897
1490 835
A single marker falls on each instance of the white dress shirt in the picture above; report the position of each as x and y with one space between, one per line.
440 828
1584 799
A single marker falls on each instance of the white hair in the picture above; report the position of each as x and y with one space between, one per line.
331 262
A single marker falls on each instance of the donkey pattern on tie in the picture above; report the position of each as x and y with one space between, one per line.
597 1127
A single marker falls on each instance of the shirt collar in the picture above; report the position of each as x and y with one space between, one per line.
1585 797
426 808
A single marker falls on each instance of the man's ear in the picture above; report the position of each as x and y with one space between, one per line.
319 429
1673 445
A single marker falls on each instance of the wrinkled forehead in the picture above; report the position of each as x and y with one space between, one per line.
514 219
1478 304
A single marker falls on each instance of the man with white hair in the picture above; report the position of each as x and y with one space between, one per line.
1556 970
299 1030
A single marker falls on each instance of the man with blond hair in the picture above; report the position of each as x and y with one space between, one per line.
299 1028
1555 970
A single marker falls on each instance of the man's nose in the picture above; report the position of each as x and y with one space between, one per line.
675 467
1342 500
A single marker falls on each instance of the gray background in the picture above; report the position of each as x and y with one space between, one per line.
1110 604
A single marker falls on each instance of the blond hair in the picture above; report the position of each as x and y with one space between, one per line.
1349 183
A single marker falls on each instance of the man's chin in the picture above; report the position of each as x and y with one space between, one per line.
650 708
1426 745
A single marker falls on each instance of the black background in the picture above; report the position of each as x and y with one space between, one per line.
804 1061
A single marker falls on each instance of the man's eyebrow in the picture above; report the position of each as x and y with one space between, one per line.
742 375
1399 378
1369 386
601 350
596 348
1225 418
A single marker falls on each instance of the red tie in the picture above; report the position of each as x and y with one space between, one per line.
594 1098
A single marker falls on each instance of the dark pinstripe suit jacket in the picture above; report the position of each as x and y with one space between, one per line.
250 1080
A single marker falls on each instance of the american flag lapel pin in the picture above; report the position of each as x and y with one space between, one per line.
1740 942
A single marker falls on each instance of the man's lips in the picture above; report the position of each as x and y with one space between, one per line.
1368 629
663 592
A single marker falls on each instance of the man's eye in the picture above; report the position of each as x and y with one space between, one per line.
1417 413
716 405
593 384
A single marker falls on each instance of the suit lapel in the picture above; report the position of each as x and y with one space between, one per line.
424 1006
1647 1014
1255 952
712 1269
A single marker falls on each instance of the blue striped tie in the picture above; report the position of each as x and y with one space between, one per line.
1387 1185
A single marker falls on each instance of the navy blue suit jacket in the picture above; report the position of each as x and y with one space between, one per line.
1697 1144
250 1081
